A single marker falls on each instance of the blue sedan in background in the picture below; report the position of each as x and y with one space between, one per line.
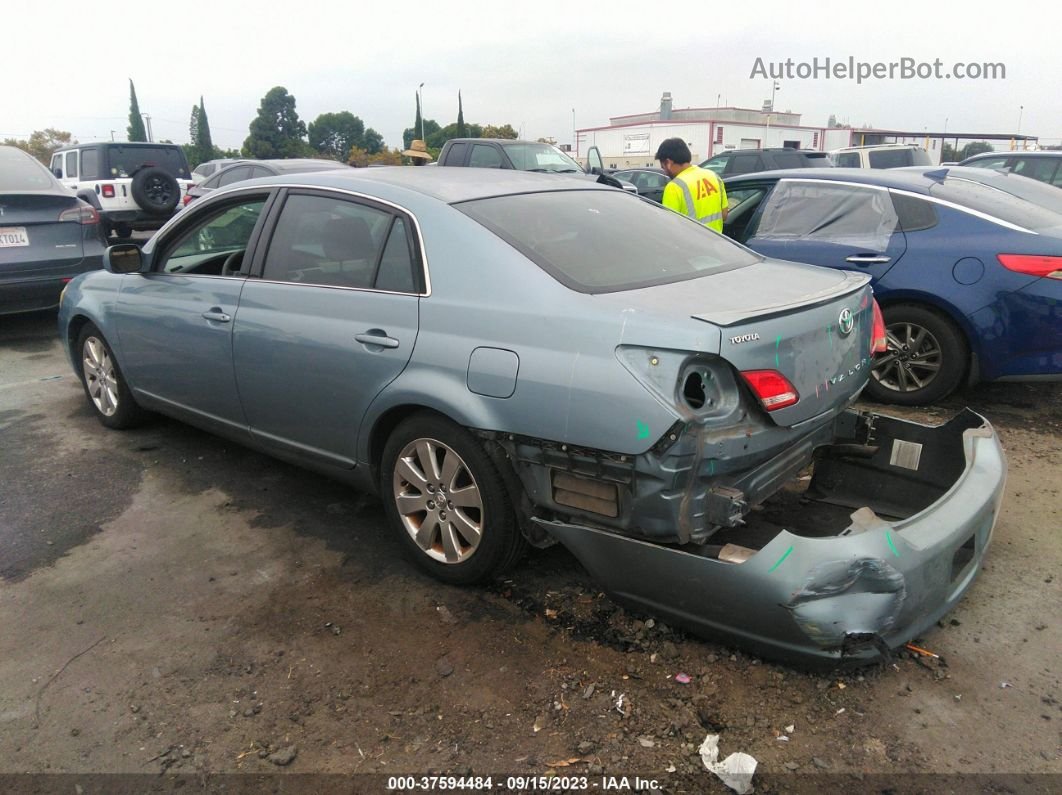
966 264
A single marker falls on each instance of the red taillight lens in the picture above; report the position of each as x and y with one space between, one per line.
1032 264
83 214
108 191
772 388
186 199
877 333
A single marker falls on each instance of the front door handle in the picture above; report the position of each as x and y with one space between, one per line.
217 315
376 337
868 259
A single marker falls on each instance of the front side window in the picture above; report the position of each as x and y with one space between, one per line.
215 245
540 157
847 160
327 241
600 241
71 165
997 163
1039 168
860 217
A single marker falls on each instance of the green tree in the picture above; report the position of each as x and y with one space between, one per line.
975 148
205 142
430 128
335 134
504 131
135 130
462 129
42 144
192 151
276 131
373 142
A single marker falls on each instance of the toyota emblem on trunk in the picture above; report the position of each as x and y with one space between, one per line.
845 322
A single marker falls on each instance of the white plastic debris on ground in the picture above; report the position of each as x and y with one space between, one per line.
735 771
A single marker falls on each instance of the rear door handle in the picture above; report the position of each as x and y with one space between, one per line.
377 337
868 259
218 315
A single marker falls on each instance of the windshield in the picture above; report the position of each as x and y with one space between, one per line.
1009 198
540 157
601 241
125 161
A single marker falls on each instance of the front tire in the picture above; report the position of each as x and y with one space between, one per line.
104 383
447 502
926 359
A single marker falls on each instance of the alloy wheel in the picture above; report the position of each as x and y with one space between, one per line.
101 378
912 360
438 500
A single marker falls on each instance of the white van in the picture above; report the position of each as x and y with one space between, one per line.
881 156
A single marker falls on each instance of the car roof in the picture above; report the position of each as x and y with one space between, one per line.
1013 153
917 179
448 184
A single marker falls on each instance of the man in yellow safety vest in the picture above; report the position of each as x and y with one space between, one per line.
692 191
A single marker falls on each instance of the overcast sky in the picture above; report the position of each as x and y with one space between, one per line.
525 64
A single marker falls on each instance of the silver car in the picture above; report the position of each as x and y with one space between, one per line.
510 360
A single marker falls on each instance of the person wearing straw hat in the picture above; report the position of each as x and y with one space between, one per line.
418 153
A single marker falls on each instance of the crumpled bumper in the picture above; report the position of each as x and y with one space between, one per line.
844 597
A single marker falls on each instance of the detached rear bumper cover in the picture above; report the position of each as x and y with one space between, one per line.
842 597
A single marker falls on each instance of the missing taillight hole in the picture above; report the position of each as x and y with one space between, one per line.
693 390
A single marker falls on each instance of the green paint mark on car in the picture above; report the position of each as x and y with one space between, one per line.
892 546
643 430
777 343
779 563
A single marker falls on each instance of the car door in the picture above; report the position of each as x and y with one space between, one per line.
837 225
175 321
332 321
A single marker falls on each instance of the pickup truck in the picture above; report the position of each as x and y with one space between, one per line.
522 156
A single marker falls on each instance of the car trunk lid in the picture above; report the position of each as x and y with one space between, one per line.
811 325
33 241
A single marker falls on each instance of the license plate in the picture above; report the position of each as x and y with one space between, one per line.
11 236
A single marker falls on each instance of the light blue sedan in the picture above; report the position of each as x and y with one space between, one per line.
511 359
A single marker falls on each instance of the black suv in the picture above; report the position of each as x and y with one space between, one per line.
746 161
131 185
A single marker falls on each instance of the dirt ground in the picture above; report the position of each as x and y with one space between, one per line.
173 603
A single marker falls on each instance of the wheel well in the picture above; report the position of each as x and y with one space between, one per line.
949 318
73 331
383 428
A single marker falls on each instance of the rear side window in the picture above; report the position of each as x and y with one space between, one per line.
989 162
744 164
396 265
1040 168
90 164
22 172
601 241
861 217
915 214
235 174
327 241
890 158
847 160
789 160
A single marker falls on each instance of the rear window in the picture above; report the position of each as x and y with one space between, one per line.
789 160
605 241
1024 202
898 158
22 172
124 161
540 157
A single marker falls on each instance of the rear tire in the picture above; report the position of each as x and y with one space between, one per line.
123 231
104 383
447 502
926 359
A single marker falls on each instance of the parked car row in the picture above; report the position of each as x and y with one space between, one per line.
512 359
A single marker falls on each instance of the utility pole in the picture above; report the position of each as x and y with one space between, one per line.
575 137
112 135
420 93
147 120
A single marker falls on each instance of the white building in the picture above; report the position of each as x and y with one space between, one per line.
632 140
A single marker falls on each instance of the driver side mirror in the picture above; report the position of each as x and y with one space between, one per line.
122 258
58 173
594 163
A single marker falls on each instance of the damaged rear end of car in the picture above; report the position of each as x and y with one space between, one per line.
757 505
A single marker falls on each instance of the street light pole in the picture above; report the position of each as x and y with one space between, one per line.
774 87
420 98
147 118
575 138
